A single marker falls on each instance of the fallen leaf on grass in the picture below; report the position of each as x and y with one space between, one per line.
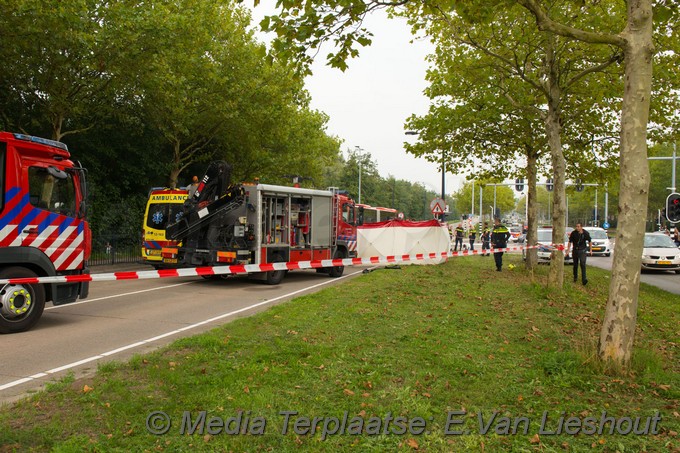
412 443
664 387
87 389
348 392
246 389
535 440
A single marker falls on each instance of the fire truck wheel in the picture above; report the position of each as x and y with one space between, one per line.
275 277
336 271
20 305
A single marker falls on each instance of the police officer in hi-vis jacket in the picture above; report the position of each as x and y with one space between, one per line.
459 237
499 238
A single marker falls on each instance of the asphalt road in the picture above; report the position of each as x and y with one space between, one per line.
666 280
123 318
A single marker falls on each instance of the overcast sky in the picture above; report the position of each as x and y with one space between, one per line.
369 102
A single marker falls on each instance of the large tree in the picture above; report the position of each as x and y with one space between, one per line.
323 20
635 39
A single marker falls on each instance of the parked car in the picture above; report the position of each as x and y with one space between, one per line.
515 233
545 245
601 244
660 253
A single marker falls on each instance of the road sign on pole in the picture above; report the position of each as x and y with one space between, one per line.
438 206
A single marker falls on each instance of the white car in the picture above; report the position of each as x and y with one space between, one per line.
660 253
601 244
546 247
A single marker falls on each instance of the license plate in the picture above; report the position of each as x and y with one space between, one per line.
170 260
664 262
597 249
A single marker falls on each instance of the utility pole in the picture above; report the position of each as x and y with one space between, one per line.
596 224
480 209
606 203
472 212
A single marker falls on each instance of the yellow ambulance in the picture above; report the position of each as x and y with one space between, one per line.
163 207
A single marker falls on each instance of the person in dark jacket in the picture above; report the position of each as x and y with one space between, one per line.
471 237
459 237
499 238
578 238
486 239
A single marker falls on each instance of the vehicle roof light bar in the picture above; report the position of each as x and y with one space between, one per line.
42 141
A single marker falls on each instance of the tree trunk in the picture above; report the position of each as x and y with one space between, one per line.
176 165
530 239
553 130
618 328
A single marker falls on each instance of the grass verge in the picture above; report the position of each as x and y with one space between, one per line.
441 349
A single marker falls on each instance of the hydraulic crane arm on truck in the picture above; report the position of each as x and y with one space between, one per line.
261 223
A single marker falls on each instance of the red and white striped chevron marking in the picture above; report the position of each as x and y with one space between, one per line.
252 268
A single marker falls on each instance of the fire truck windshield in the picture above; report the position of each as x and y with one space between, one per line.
55 194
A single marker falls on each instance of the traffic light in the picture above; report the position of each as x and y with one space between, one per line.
519 184
549 185
579 186
673 208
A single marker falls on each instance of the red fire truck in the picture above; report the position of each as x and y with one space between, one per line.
43 229
262 223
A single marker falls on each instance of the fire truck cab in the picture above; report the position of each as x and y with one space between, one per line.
43 227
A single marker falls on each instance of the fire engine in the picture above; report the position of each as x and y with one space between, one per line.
43 227
262 223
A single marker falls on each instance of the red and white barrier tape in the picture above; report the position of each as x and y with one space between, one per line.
252 268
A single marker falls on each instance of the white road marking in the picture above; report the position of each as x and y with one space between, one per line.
87 301
164 335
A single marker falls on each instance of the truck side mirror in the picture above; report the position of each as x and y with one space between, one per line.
55 172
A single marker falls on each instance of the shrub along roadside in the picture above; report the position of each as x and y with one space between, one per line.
445 347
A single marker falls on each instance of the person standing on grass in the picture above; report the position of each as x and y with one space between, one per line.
579 237
499 237
459 237
472 236
486 239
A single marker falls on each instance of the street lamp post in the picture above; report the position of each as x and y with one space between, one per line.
443 217
443 214
359 151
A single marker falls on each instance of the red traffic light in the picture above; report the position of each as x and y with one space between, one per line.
673 208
